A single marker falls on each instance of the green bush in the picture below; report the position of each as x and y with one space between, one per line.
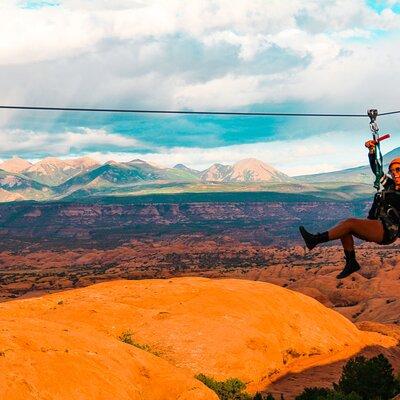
370 378
342 396
362 379
314 393
127 338
326 394
259 396
231 389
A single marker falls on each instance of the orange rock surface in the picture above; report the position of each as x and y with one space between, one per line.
65 345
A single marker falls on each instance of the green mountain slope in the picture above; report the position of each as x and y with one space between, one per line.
362 174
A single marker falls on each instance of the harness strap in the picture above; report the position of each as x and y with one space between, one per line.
373 114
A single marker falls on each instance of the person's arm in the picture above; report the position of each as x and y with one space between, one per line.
370 144
385 180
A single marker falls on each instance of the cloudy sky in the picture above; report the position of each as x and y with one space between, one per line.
227 55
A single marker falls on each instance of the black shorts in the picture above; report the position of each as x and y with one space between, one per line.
390 228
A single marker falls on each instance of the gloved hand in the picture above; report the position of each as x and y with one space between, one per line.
370 144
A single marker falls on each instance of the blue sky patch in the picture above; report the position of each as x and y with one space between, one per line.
37 4
380 5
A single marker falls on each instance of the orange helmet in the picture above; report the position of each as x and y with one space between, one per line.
394 161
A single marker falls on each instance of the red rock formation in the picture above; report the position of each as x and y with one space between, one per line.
66 344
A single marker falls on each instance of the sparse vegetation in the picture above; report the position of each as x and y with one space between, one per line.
231 389
127 338
326 394
314 393
361 379
314 351
288 354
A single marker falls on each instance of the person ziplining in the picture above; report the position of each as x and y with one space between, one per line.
382 223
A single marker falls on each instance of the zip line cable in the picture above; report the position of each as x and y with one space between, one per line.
138 111
389 113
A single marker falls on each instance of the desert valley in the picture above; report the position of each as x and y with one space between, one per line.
184 186
170 273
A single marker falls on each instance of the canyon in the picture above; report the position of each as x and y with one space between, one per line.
261 218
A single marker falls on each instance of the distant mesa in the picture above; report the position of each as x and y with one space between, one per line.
179 323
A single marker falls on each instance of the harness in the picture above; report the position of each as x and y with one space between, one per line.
383 209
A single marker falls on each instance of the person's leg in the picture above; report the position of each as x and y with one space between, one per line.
347 242
350 255
365 229
369 230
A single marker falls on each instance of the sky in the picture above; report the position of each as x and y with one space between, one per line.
329 56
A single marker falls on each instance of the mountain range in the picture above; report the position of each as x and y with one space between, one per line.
53 179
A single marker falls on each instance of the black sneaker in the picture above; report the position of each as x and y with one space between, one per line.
351 266
309 238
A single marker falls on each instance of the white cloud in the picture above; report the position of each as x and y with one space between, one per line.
235 91
204 54
21 142
76 26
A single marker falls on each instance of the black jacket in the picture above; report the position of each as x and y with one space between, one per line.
388 196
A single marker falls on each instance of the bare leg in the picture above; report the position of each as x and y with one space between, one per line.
365 229
370 230
347 242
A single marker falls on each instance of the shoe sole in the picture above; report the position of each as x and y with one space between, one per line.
345 276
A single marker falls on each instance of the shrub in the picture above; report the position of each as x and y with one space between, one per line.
361 379
231 389
314 393
370 379
259 396
342 396
127 338
326 394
